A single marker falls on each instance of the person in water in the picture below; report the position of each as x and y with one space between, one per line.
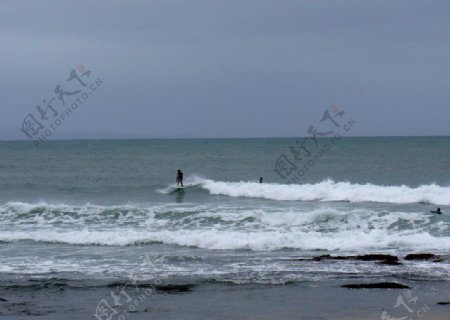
438 211
261 180
179 178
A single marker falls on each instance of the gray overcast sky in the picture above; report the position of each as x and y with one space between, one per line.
229 68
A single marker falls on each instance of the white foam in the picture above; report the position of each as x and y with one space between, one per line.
214 226
265 240
329 190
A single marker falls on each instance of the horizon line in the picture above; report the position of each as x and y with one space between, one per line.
223 138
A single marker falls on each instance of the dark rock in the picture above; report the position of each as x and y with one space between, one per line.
381 285
366 257
421 256
390 263
375 257
324 257
2 299
169 288
175 288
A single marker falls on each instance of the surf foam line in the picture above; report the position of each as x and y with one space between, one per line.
328 190
214 239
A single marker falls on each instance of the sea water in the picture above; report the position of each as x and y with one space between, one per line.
98 211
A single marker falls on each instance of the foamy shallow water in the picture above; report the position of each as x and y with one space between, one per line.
227 242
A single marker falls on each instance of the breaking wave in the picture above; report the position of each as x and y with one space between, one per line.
330 190
224 227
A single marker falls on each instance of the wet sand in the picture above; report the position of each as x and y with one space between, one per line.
306 301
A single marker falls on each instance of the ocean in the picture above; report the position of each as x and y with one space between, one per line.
106 213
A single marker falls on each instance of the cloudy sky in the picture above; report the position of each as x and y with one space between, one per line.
227 68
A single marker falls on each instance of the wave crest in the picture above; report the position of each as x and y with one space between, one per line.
329 190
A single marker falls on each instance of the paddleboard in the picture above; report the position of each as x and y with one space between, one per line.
179 188
187 186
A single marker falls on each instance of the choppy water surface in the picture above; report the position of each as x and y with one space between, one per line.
99 210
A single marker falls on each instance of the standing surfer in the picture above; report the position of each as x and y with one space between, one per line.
179 178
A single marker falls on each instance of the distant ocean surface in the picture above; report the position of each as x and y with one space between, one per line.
95 211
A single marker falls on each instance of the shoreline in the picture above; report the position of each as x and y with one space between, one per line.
308 300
